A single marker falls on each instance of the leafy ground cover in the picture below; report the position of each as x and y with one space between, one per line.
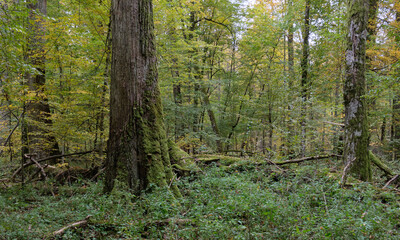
254 202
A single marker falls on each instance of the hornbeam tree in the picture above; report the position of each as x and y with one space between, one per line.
137 145
356 125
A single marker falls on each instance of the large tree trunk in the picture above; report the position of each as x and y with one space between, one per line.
356 125
38 138
137 144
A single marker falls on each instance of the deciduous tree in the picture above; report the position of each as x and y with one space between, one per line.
137 145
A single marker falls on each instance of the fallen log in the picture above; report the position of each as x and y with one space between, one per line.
299 160
375 160
75 224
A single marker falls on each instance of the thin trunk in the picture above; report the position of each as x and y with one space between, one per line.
212 118
396 125
383 130
305 84
290 137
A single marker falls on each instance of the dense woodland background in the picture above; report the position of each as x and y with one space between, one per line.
255 79
230 74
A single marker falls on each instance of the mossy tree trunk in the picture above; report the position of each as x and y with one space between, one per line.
37 138
356 125
395 136
137 145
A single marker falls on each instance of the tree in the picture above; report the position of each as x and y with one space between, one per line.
356 125
137 144
36 136
305 83
396 102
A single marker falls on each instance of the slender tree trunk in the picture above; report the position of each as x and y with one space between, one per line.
395 129
39 139
212 118
396 124
356 125
137 144
304 78
177 92
290 137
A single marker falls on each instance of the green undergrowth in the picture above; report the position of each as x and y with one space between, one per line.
260 202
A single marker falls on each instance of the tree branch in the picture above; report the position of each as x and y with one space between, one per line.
75 224
30 162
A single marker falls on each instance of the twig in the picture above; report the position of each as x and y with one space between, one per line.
12 131
326 204
271 162
345 171
333 123
42 170
38 165
75 224
390 181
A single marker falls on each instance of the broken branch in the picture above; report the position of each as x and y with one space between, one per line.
75 224
30 162
391 180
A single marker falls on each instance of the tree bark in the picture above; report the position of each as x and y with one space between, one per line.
356 125
137 145
395 129
291 79
304 77
38 138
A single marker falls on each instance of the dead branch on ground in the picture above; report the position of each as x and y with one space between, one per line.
75 224
391 181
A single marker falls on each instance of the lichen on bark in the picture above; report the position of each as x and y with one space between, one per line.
356 124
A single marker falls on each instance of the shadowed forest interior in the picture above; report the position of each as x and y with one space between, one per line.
199 119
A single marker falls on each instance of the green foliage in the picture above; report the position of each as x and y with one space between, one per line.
303 203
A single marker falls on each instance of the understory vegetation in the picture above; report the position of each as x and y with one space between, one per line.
245 201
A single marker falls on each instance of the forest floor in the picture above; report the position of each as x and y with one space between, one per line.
248 202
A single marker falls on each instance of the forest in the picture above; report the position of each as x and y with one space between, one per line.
200 119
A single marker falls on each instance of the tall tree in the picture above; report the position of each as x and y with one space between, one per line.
396 103
356 125
36 137
304 76
290 46
137 144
